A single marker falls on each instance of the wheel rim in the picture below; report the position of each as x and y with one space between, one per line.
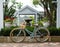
16 36
44 36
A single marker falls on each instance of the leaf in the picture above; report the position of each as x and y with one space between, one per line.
35 2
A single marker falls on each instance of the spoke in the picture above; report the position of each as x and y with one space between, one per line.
42 35
18 36
19 33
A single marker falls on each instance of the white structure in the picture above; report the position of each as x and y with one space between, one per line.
1 14
27 10
58 14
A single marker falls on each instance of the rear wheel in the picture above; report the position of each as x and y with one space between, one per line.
17 35
42 34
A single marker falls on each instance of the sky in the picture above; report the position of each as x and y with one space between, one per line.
25 2
29 2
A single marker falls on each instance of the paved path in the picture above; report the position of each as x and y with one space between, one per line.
30 44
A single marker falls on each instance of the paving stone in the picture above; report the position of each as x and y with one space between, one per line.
47 44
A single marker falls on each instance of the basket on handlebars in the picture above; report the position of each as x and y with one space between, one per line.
22 26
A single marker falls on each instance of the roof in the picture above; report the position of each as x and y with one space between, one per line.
26 10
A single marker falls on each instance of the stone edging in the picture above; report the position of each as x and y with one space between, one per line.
5 39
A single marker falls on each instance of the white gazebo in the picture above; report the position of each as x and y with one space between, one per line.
27 10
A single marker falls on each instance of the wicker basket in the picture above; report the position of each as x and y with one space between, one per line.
22 26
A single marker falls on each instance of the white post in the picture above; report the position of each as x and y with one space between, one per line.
1 14
58 14
36 17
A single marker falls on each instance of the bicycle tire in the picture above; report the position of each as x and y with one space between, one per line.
13 36
40 38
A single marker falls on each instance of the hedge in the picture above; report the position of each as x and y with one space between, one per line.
53 31
6 31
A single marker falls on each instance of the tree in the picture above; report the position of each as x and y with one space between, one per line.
9 10
50 9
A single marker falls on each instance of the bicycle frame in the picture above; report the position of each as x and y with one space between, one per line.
32 35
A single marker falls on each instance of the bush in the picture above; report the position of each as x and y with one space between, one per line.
30 28
40 23
54 31
6 31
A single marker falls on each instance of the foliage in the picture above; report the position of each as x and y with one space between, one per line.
8 20
6 31
53 30
10 9
45 19
50 9
30 28
32 20
35 2
40 23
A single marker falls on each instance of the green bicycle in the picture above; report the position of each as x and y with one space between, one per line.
40 34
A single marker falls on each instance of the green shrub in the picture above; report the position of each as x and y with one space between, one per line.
30 28
40 23
6 31
54 31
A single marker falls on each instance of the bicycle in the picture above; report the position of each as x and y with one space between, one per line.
40 34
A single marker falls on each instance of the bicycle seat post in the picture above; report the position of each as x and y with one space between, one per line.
36 25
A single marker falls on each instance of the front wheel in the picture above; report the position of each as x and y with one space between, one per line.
17 35
42 34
